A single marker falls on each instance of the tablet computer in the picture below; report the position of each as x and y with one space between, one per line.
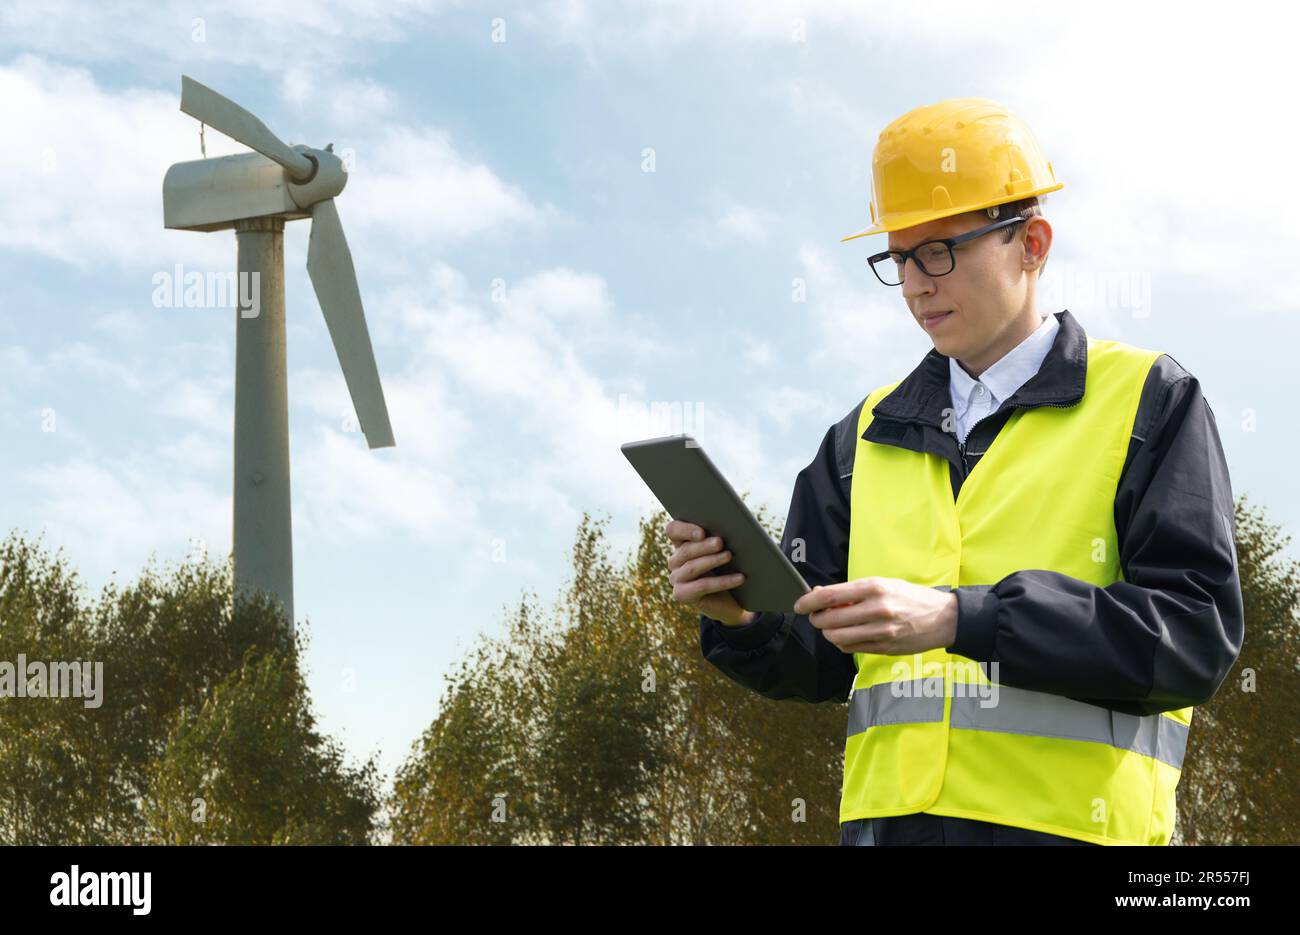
692 489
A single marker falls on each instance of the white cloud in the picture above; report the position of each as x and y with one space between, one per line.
121 324
343 490
597 27
196 452
243 32
130 455
758 353
204 403
788 404
861 324
473 362
22 372
731 222
84 180
18 364
559 422
296 85
82 359
560 295
323 96
413 186
114 514
428 422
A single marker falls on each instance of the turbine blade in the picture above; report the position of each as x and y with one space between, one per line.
329 264
221 113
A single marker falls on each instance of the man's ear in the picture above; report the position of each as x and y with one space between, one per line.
1037 243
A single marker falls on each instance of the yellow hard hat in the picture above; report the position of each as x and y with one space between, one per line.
948 158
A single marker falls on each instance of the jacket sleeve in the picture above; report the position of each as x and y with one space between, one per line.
1167 635
782 655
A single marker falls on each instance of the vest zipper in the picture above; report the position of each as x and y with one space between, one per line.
961 446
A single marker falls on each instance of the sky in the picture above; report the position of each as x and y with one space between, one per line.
569 219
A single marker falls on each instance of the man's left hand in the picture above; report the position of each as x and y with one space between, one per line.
882 615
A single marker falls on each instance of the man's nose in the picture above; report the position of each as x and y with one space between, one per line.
915 282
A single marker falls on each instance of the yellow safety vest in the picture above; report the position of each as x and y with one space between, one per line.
931 732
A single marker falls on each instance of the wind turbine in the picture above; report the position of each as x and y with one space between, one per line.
254 194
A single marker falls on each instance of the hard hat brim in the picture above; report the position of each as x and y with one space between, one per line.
873 229
915 218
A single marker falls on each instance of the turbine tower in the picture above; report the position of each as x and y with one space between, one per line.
253 194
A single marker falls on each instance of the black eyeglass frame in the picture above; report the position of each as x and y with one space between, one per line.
949 242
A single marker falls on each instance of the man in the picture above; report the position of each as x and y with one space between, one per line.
1022 554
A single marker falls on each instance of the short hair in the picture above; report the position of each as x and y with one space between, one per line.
1025 207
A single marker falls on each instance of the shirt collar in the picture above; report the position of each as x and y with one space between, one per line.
1011 370
923 395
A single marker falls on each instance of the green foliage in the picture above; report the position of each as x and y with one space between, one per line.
1240 784
251 767
545 729
600 722
201 694
468 763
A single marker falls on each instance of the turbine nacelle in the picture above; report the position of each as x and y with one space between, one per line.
212 194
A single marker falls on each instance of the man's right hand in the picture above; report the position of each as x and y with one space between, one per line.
688 568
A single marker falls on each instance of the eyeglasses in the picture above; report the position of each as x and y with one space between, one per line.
934 257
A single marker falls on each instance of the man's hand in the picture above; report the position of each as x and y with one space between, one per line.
882 615
690 574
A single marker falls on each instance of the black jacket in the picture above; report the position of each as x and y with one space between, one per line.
1163 638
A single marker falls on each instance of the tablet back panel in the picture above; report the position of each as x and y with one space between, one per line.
692 489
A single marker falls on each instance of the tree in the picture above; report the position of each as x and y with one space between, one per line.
1240 784
178 655
248 767
461 784
602 723
544 736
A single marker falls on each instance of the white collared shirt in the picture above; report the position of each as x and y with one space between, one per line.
974 399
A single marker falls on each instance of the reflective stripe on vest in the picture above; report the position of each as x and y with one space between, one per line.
931 732
1020 712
